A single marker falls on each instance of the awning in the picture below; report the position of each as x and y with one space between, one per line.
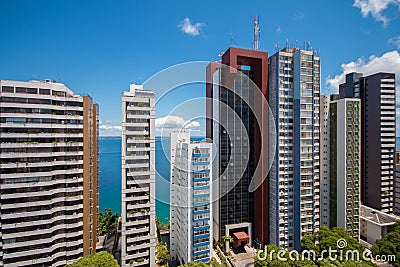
240 236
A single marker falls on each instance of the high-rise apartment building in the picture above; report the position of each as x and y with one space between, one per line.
237 209
190 194
49 174
344 165
294 95
325 157
138 178
397 185
377 93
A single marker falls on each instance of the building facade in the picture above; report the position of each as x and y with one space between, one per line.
294 95
397 186
190 194
138 178
375 224
236 208
345 165
325 157
49 174
377 93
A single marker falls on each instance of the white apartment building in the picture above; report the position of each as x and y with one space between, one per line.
48 180
294 95
343 139
397 185
324 166
138 178
190 200
375 224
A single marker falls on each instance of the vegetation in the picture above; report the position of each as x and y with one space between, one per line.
324 240
196 264
275 262
160 226
389 244
214 263
227 239
221 257
100 259
162 253
107 222
327 238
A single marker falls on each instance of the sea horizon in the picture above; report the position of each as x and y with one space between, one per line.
110 174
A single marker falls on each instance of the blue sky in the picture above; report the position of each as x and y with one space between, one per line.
100 47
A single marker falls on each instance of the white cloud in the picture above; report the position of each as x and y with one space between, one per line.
375 8
107 128
395 41
110 127
388 62
187 27
278 29
168 124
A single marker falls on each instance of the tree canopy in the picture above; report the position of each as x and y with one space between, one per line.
389 244
107 221
196 264
100 259
324 240
162 253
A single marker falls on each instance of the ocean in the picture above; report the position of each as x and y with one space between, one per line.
110 175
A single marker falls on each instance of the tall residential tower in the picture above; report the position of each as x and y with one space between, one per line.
294 95
344 142
138 178
191 212
49 174
377 93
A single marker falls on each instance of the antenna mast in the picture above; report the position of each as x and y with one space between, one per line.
256 33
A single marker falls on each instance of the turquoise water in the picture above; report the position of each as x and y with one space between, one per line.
397 143
110 176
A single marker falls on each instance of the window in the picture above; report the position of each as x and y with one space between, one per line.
7 89
44 91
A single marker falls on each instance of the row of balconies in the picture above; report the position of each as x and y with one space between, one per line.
47 173
41 145
43 212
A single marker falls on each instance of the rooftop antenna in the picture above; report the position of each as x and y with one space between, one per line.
232 41
256 33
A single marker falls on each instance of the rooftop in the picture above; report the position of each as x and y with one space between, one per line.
137 90
377 217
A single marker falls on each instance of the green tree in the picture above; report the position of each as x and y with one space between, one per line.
100 259
162 226
276 261
227 239
215 263
107 221
196 264
389 244
162 253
